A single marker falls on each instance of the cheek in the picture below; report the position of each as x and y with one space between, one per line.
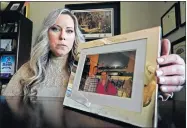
53 38
71 40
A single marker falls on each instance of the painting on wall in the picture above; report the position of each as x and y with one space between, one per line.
97 20
95 23
179 47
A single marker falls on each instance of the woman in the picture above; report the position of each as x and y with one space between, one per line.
47 74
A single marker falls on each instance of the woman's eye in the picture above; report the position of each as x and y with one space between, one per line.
69 31
55 29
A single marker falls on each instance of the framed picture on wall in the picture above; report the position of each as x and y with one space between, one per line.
97 20
182 12
179 47
96 23
170 20
117 84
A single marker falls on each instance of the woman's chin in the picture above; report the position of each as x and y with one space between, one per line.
59 54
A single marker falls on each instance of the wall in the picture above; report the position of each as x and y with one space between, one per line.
159 9
134 15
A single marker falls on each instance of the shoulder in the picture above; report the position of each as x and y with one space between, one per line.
24 70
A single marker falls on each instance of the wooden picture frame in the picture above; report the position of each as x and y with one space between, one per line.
138 103
170 20
182 12
179 47
108 13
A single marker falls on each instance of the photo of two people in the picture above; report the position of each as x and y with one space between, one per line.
109 74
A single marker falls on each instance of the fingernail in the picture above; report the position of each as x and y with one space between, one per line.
161 80
164 89
160 60
159 72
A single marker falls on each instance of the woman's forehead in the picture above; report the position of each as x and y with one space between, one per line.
65 20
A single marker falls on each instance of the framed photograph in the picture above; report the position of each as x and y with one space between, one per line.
112 78
182 13
179 47
170 20
97 20
96 23
6 44
15 6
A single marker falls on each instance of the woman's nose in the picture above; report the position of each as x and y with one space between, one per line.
62 35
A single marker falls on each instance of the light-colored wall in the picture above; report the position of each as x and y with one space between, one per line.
134 15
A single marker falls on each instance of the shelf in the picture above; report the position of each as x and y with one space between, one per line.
5 78
7 52
8 35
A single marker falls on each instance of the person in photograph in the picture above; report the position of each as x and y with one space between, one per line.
105 86
126 89
91 81
48 70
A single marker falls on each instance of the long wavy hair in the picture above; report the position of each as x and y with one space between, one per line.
41 50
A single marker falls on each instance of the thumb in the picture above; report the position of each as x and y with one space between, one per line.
165 47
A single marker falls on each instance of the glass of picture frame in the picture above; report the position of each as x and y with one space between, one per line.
170 20
112 78
179 47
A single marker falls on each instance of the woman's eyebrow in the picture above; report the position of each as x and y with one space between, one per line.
61 27
58 25
70 27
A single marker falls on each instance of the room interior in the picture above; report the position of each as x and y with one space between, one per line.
131 18
134 16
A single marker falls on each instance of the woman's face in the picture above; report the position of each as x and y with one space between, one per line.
62 35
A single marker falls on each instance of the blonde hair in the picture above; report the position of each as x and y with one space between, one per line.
40 51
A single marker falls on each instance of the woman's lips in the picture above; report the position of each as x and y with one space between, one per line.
61 45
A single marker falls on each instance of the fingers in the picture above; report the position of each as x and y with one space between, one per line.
171 80
166 45
166 88
170 59
171 70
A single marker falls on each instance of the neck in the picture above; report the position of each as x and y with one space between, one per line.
62 61
103 82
